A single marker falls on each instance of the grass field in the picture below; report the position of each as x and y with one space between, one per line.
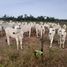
52 57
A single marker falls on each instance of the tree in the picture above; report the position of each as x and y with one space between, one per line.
19 18
40 18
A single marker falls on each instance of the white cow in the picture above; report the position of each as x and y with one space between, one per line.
51 35
64 26
46 25
39 29
26 28
62 36
14 33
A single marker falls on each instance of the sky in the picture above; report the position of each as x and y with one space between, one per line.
51 8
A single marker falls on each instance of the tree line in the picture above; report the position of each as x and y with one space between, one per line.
31 18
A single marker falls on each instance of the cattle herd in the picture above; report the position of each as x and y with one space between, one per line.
17 30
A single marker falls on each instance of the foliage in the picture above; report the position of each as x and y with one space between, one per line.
25 17
38 53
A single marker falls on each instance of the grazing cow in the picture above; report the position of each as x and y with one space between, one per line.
51 35
62 36
14 33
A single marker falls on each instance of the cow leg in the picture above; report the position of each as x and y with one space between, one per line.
17 41
21 43
60 42
8 40
29 34
51 42
63 44
36 32
41 34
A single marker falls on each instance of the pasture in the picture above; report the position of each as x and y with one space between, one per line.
52 57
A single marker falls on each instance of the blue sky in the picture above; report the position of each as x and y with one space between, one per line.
51 8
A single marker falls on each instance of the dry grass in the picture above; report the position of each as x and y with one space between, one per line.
52 57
